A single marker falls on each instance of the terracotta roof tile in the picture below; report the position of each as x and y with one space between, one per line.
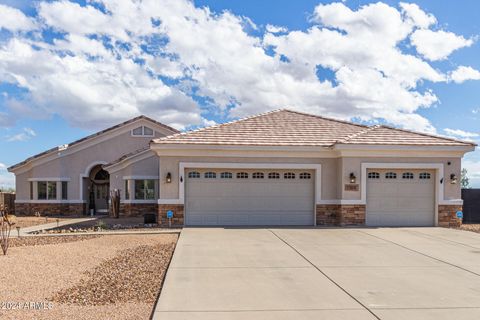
292 128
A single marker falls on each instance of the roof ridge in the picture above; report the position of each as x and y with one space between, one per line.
428 135
218 125
356 134
325 118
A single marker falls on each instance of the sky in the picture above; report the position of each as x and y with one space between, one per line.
70 68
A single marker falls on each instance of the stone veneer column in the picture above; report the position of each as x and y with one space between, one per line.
50 209
352 215
178 214
328 214
447 216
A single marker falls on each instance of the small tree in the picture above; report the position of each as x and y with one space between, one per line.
464 180
6 223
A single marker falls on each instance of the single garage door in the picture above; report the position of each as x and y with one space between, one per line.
249 197
400 197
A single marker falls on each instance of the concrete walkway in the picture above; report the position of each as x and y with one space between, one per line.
384 273
25 231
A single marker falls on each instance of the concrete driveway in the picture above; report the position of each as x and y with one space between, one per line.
384 273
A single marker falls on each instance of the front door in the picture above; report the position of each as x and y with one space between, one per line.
101 197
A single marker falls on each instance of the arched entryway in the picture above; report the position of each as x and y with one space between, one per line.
99 186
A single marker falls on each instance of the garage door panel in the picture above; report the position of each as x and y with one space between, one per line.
400 201
217 201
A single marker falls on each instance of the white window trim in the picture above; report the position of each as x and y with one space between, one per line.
52 201
140 177
50 179
227 165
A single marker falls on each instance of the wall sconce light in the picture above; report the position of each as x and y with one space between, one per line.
169 178
352 177
453 178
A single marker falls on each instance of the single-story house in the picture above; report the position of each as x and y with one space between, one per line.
278 168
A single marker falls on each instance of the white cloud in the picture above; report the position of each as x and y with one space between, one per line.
417 16
275 29
7 180
158 57
25 135
473 169
438 45
461 133
14 19
463 73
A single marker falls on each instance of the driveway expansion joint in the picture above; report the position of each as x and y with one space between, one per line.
325 275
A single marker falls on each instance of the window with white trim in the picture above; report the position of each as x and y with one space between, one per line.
194 175
31 190
305 176
226 175
144 189
424 176
373 175
390 175
273 175
258 175
143 131
289 175
64 190
242 175
127 193
407 175
210 175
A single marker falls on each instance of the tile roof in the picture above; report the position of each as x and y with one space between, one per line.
56 149
292 128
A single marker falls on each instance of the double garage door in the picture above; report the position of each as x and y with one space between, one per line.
400 197
249 197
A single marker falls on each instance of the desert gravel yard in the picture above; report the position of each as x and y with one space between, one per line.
85 277
23 222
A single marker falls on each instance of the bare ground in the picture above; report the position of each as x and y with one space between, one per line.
474 227
95 278
23 222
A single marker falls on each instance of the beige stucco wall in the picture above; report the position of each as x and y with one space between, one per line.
144 167
73 165
351 164
171 164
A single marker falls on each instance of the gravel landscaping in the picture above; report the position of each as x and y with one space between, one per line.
24 222
91 277
474 227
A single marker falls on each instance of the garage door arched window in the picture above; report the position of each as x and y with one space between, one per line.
390 175
289 175
274 175
242 175
210 175
258 175
194 175
424 176
226 175
407 175
305 176
373 175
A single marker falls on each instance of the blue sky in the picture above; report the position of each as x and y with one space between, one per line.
68 68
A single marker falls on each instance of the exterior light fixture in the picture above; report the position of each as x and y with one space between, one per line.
352 177
453 178
169 178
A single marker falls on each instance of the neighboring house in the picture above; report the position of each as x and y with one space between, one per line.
278 168
70 179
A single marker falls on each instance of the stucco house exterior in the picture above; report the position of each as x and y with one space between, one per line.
278 168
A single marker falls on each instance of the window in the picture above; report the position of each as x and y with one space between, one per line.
274 175
390 175
373 175
31 190
305 175
127 194
143 132
258 175
194 175
242 175
102 175
424 176
46 190
210 175
407 175
226 175
289 175
64 190
42 190
145 189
